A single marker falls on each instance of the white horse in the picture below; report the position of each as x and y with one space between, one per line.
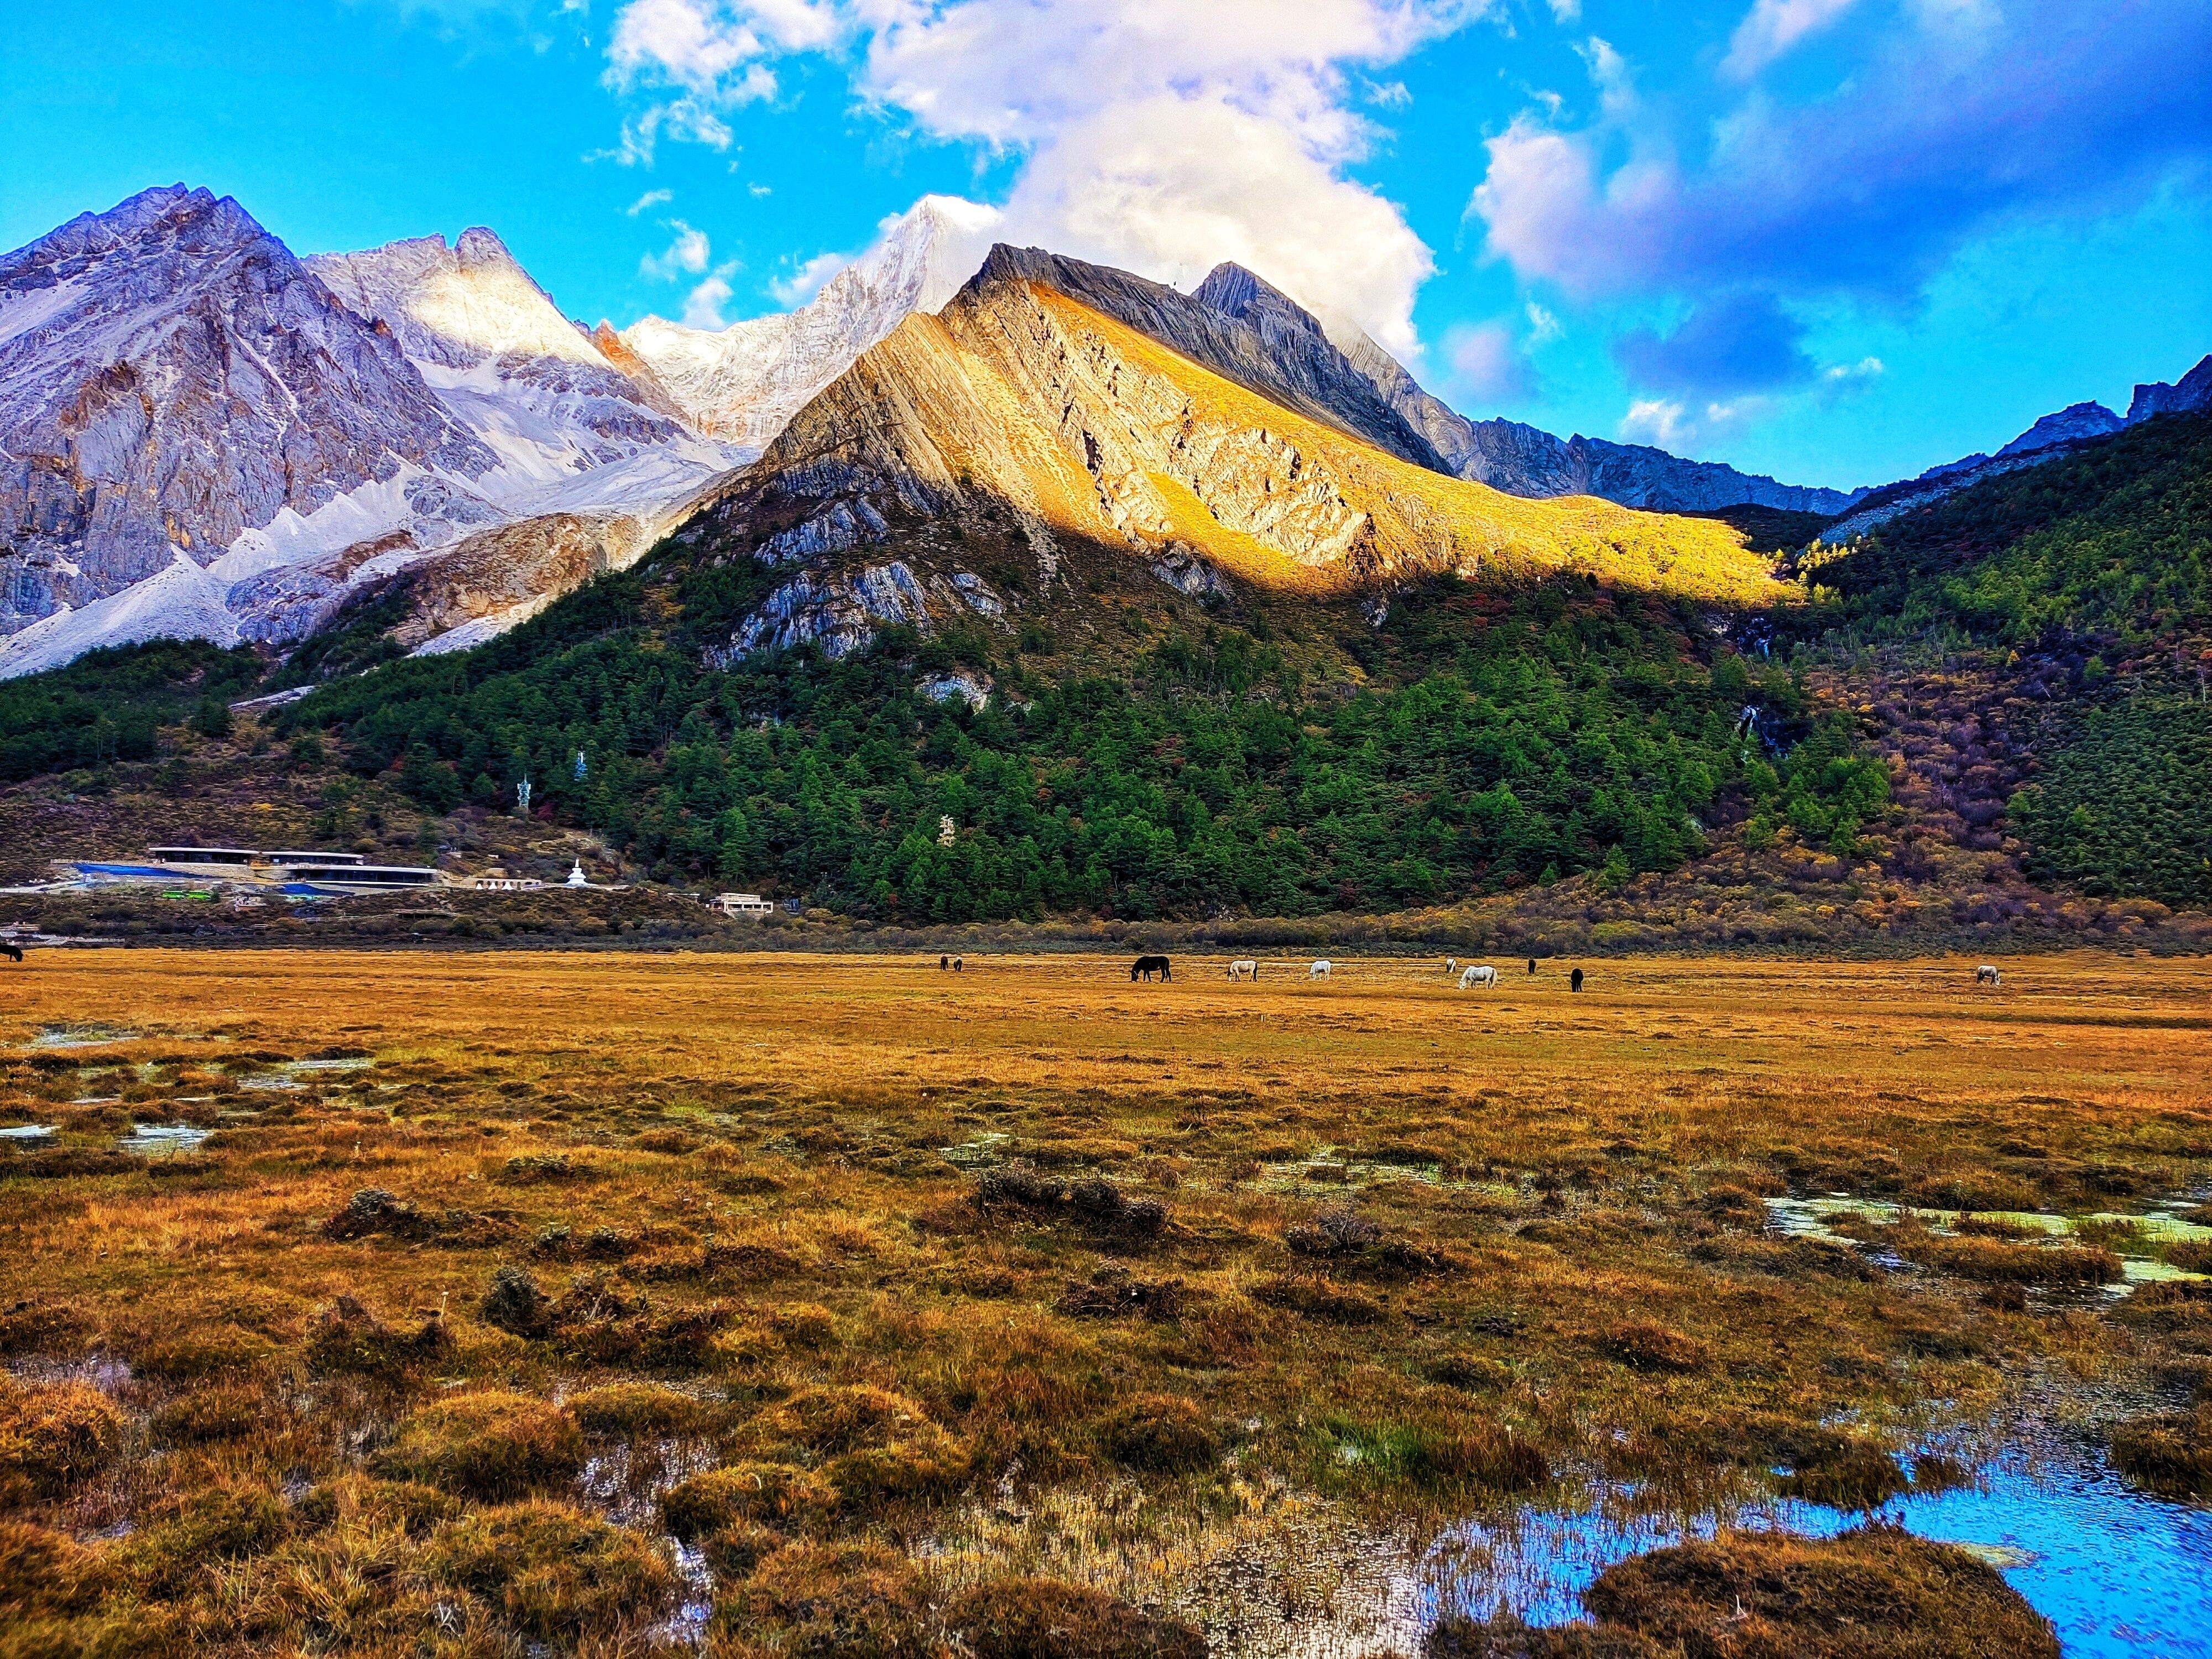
1451 965
1479 973
1319 970
1244 968
1988 975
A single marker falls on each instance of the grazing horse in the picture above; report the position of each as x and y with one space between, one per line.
1451 965
1477 973
1988 975
1532 964
1243 968
1575 980
944 962
1145 967
1319 970
957 965
13 952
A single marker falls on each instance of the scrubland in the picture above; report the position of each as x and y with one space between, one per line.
813 1306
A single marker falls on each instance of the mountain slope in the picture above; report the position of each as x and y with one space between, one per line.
1525 460
1022 414
171 377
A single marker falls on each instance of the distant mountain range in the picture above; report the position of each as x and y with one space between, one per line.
202 434
2053 436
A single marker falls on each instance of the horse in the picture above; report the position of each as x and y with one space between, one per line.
1988 975
1244 968
1575 980
1145 967
942 964
1532 965
13 952
1319 970
1451 965
957 965
1479 973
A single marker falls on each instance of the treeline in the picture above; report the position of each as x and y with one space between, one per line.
109 705
1498 738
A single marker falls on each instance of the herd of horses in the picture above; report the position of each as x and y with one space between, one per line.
1469 975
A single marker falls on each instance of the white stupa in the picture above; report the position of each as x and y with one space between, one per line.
576 875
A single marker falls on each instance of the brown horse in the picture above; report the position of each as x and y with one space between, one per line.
1145 967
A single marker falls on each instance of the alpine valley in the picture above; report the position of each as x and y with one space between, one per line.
994 587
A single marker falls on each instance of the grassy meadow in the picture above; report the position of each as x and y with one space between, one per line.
815 1305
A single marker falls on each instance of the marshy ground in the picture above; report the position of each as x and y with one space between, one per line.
811 1305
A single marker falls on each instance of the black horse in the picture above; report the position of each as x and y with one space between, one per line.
1532 964
13 952
1145 967
1575 980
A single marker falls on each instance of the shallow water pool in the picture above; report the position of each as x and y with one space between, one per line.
2117 1571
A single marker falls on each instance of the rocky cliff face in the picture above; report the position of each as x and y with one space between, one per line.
1022 414
170 377
2191 395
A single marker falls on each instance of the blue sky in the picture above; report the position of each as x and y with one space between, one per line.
1837 240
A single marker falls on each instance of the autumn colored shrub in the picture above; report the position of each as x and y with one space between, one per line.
52 1438
552 1572
1048 1618
490 1445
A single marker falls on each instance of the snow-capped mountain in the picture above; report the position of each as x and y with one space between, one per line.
743 384
209 436
171 378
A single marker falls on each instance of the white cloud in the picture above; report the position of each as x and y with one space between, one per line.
759 190
1543 326
804 284
1484 364
650 199
689 253
1671 424
1771 27
1161 136
1567 11
702 307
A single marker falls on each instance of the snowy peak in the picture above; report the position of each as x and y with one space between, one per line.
456 306
744 383
2074 424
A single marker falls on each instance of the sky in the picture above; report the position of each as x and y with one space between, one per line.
1837 241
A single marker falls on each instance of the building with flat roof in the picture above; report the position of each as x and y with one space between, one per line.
741 904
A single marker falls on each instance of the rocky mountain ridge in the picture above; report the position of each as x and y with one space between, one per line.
1024 419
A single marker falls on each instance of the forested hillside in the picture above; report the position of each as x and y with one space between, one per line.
1302 761
2071 605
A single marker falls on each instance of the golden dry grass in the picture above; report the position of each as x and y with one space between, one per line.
1023 1270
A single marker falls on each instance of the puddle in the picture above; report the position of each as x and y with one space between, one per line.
2117 1573
1812 1218
163 1140
979 1152
360 1064
268 1083
28 1134
1325 1169
81 1037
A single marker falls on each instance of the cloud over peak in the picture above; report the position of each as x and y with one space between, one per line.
1157 134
